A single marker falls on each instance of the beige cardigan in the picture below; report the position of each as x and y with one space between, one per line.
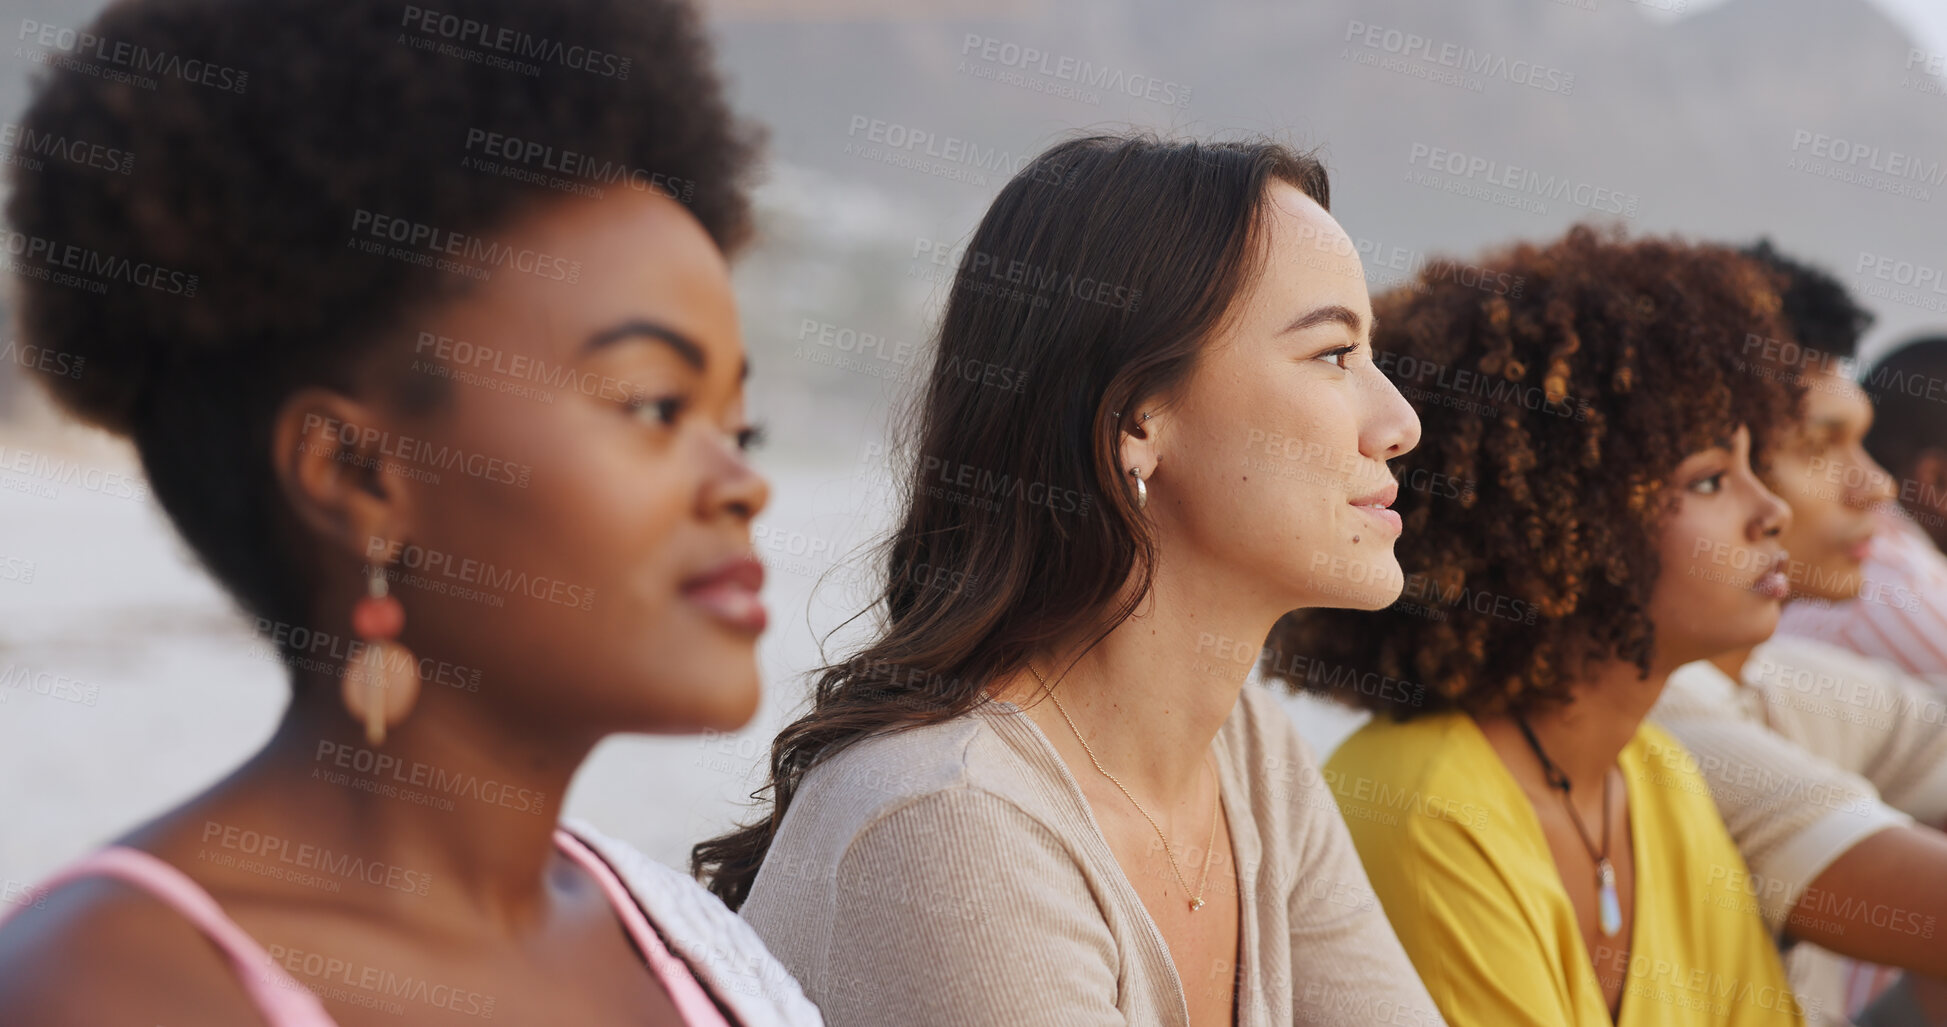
954 874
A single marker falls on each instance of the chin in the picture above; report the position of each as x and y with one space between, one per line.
738 710
711 691
1761 625
725 701
1358 583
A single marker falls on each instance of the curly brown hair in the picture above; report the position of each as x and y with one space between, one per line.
1566 405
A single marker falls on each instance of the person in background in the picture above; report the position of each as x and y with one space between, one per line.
1900 612
1822 760
1547 856
471 451
1909 437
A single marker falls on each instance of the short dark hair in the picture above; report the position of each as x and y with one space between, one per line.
1572 402
1819 310
229 274
1908 387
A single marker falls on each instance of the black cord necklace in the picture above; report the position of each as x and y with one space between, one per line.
1609 913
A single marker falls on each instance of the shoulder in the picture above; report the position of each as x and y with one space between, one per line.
1838 700
914 809
1655 748
716 942
1670 782
1697 690
1794 663
967 772
1424 782
1436 749
62 946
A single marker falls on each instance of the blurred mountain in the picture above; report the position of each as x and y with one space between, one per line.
1694 119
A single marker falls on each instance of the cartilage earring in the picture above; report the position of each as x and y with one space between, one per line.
382 679
1142 487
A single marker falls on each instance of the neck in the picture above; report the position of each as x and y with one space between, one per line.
1585 737
1150 697
451 797
1732 663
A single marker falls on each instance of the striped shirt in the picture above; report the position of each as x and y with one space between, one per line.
1901 613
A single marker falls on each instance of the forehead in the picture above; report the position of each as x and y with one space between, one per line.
1306 258
621 258
1833 397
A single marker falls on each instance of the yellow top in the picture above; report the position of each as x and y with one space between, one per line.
1458 858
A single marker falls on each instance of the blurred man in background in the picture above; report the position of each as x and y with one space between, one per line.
1900 614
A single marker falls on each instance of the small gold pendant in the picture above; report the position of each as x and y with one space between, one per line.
1196 904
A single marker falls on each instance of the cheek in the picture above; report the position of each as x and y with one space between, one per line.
614 512
591 504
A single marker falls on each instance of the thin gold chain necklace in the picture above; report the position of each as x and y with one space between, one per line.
1196 897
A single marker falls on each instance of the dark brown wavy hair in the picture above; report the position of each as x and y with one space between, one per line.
1094 279
1568 405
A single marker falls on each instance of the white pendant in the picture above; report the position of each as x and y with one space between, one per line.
1609 906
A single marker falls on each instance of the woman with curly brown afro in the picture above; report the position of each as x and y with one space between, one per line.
1545 855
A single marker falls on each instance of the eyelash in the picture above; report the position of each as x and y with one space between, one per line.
1718 478
669 407
666 407
1342 351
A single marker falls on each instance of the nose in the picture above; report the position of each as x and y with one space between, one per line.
1877 485
732 485
1389 425
1773 516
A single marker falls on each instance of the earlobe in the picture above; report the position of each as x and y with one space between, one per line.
1137 448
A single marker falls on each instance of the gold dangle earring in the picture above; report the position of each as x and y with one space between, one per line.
382 679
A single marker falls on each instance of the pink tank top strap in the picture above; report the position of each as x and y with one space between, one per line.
684 990
282 1000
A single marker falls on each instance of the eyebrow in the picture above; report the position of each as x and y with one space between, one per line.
1334 313
685 347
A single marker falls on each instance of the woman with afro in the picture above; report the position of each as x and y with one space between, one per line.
421 324
1546 856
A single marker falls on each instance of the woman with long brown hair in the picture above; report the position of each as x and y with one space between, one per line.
1200 446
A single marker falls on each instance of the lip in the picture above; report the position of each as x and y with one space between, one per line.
1774 583
1859 549
728 592
1374 505
1378 497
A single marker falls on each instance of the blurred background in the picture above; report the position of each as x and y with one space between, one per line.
127 680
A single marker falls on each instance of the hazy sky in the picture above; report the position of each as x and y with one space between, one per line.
1925 19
